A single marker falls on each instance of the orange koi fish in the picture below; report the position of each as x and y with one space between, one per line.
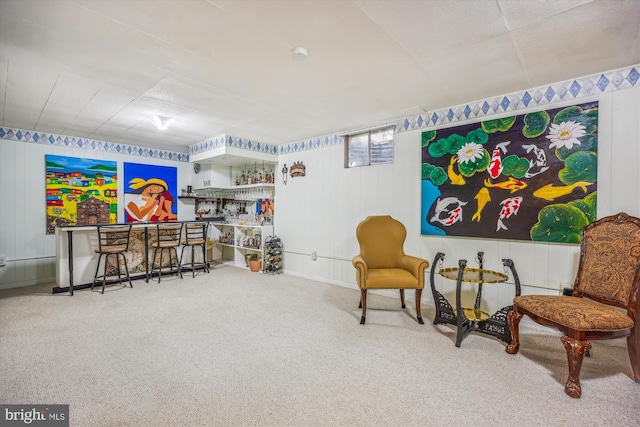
512 184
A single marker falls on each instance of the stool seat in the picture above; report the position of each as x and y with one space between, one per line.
112 249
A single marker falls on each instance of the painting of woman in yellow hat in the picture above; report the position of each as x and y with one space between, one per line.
148 199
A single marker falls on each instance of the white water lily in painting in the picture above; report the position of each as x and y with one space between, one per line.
470 152
565 134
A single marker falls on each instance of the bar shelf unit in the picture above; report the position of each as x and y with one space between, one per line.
235 241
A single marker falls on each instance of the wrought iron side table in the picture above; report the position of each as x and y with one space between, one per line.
473 319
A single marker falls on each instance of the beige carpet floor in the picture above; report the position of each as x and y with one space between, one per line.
236 348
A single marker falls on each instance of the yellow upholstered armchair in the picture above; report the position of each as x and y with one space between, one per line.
382 263
605 301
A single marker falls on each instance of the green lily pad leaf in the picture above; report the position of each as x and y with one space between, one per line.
559 223
587 206
580 166
438 176
568 114
478 136
456 142
587 143
427 137
438 148
535 124
426 170
515 166
449 145
498 125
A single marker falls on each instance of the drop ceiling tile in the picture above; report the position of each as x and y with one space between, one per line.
602 35
75 91
21 117
433 28
187 24
517 15
28 85
176 91
110 100
493 62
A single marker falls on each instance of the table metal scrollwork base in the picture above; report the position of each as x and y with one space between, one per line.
472 319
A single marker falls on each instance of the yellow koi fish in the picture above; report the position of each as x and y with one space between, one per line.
455 178
549 192
483 198
512 184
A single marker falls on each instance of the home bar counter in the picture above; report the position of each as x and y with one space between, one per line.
76 257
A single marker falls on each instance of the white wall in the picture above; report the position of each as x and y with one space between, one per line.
29 250
320 212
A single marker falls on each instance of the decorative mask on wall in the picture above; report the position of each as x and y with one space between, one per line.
298 169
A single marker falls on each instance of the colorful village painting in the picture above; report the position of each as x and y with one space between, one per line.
80 192
526 177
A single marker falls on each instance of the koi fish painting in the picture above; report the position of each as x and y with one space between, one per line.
527 177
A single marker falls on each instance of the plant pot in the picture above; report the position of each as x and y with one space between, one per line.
255 265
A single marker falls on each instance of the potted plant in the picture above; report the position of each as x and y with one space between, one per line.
255 264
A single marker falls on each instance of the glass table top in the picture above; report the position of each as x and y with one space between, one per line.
474 275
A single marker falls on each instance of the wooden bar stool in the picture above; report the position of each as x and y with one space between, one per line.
168 239
112 240
195 235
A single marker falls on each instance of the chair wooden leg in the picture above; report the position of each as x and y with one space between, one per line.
363 304
402 298
575 354
513 318
633 341
418 304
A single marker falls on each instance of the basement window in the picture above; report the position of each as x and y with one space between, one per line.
374 147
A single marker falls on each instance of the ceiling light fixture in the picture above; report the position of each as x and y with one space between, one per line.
162 123
299 53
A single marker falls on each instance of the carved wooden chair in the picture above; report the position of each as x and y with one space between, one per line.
608 280
382 263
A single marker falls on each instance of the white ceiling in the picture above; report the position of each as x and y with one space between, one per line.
101 69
